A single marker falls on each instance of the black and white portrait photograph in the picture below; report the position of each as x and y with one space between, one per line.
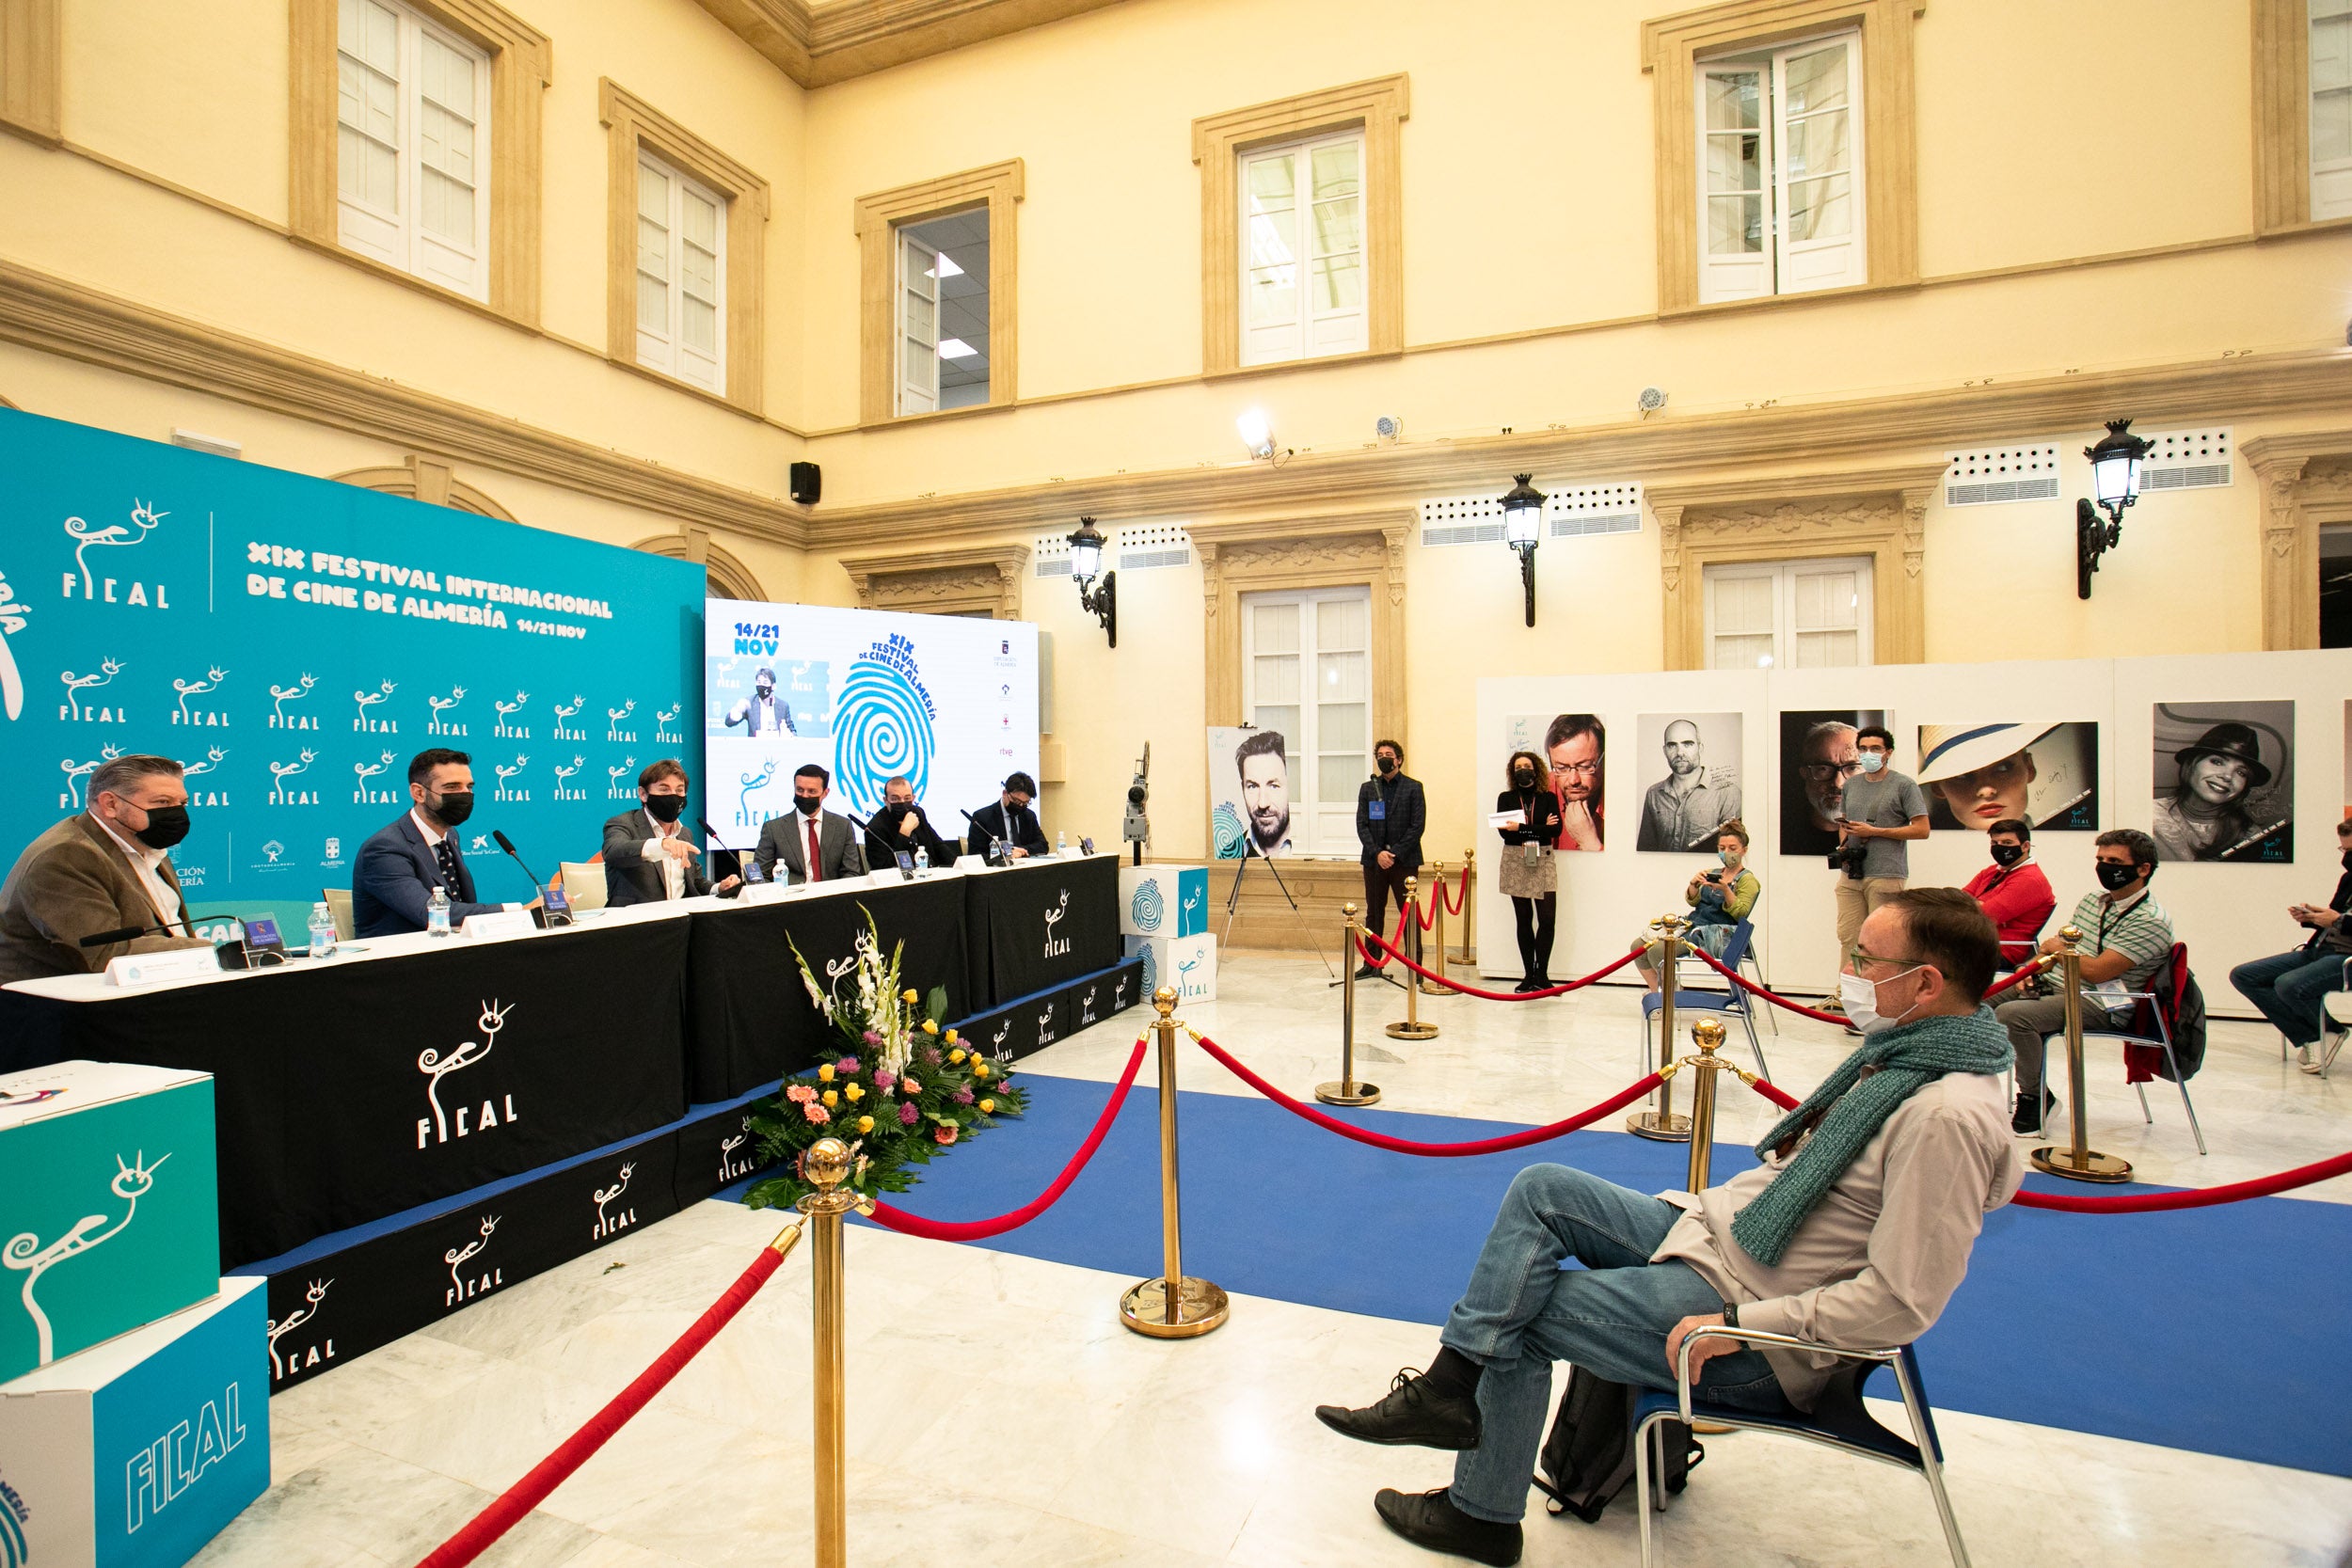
1689 767
1818 755
2225 781
2043 775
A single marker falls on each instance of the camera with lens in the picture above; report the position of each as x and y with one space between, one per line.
1848 857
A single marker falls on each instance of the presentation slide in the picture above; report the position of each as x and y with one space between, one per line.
947 701
294 641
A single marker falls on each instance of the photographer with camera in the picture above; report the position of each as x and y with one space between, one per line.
1879 813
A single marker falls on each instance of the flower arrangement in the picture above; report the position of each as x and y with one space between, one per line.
902 1088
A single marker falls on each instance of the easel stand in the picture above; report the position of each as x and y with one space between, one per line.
1233 904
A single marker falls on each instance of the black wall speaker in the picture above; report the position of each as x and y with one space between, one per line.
808 482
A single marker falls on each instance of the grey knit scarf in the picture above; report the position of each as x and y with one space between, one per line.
1848 1110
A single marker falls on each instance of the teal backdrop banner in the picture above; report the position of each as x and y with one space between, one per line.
294 641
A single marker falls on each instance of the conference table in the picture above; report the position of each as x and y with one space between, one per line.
409 1069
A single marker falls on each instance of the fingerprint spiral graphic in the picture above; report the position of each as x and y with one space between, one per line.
1146 908
1151 970
1226 828
881 730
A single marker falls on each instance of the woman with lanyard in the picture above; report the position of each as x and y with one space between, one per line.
1528 818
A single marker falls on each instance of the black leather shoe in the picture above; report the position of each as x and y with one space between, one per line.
2025 1120
1414 1413
1430 1519
1366 972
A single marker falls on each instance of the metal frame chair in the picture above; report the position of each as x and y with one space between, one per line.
2163 1040
1729 1000
2335 1025
1838 1420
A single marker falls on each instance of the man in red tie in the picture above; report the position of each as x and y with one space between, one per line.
814 844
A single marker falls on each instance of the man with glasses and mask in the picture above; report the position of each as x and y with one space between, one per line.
902 826
648 856
401 864
1011 822
1853 1232
2125 936
105 869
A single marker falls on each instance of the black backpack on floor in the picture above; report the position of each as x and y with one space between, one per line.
1588 1459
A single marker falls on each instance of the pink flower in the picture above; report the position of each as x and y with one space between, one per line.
907 1115
847 1064
943 1136
884 1078
815 1113
872 1037
931 1055
801 1094
963 1096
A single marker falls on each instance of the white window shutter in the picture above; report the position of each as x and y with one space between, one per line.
451 199
2331 109
657 267
918 325
1272 280
1817 135
702 287
1735 184
1336 319
368 130
412 155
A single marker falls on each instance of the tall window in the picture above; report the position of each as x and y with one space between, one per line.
681 277
1302 261
413 145
2331 109
1307 673
1788 614
943 284
2335 587
1780 171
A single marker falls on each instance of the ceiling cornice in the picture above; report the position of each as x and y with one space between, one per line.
1903 427
837 41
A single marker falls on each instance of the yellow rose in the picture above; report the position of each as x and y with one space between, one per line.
908 996
988 1107
951 1037
831 1098
854 1093
824 1073
930 1028
865 1124
955 1055
979 1069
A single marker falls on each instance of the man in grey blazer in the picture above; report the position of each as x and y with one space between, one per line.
649 858
104 869
786 838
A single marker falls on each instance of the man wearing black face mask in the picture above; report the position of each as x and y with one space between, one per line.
648 857
103 870
902 826
1390 812
760 713
2012 891
2125 936
400 865
814 844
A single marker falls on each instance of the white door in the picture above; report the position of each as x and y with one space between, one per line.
1307 673
1791 614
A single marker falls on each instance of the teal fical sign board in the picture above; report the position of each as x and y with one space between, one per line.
294 641
108 1204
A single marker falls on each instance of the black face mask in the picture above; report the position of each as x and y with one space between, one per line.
665 808
807 805
898 808
1524 779
166 827
764 692
1388 765
2008 854
2347 858
454 807
2115 878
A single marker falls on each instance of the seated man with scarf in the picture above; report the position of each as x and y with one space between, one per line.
1854 1231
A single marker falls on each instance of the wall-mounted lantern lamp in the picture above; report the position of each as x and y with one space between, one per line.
2115 481
1523 530
1101 600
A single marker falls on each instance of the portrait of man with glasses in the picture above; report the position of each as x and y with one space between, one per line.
1818 759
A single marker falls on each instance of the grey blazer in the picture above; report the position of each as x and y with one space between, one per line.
785 839
628 878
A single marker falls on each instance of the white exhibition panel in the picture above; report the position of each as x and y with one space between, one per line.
949 701
2226 912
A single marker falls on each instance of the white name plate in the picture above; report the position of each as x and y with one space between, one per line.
760 893
504 923
148 968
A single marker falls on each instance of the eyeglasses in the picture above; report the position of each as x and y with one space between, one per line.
1857 958
1580 769
1819 771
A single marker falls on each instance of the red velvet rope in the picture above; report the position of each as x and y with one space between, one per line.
1427 919
1403 913
2194 1197
973 1230
1561 990
1773 1093
485 1529
1406 1146
1453 901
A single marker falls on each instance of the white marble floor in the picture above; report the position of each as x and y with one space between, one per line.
999 1414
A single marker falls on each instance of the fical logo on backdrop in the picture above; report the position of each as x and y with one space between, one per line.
293 642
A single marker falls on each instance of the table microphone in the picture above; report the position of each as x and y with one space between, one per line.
507 845
128 933
996 855
712 833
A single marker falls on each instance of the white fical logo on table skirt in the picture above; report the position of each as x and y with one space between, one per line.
729 1167
1056 946
72 711
467 1279
443 1125
609 1222
318 1353
1086 1007
25 1254
281 695
1045 1025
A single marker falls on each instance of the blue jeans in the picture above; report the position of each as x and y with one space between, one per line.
1522 1311
2287 988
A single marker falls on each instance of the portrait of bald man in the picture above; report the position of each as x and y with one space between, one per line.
1683 811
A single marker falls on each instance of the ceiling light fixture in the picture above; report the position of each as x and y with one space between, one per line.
956 348
948 267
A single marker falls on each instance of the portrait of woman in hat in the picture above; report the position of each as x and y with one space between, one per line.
2045 775
2225 794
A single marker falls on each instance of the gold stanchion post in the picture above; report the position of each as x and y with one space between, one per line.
1412 1028
2079 1162
1659 1122
1436 885
1347 1091
1170 1306
1708 1034
1469 954
826 1166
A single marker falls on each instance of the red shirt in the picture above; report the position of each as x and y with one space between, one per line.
2017 901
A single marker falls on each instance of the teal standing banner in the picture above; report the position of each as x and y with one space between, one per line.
294 641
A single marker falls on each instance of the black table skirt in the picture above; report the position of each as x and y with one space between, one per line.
1038 926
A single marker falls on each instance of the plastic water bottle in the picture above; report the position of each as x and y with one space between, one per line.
922 860
321 931
1061 845
437 913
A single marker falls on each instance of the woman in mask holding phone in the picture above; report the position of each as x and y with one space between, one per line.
1720 896
1528 818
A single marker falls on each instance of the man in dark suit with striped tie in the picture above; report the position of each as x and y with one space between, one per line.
401 864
